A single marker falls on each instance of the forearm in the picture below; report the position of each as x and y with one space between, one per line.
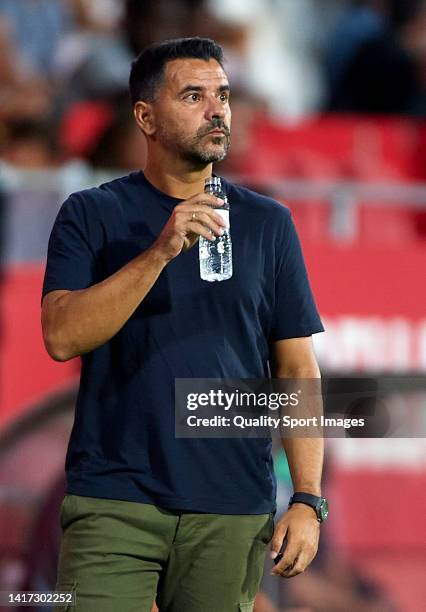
305 459
305 456
294 360
84 319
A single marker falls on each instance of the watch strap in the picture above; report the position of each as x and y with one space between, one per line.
313 501
305 498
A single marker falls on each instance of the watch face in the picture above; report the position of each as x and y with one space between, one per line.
323 509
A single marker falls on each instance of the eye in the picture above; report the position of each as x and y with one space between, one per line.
193 97
224 96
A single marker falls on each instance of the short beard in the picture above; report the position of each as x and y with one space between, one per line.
198 154
192 149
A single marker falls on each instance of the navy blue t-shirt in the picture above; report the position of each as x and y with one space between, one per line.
122 444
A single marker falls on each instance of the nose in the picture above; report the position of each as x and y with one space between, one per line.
215 109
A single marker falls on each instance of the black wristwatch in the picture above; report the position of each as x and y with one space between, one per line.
319 504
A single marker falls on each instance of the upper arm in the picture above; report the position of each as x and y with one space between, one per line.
295 314
71 263
294 357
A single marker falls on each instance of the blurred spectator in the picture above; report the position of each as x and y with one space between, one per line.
361 23
104 134
30 143
81 127
92 60
54 53
21 93
36 27
413 36
121 146
376 57
252 40
278 53
154 20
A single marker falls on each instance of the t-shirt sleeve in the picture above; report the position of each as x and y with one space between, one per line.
70 258
295 314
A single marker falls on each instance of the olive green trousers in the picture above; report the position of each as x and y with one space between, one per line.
119 556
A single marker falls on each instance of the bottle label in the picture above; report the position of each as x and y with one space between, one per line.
224 214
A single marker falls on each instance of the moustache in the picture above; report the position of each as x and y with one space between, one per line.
216 124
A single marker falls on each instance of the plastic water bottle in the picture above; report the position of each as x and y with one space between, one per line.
216 257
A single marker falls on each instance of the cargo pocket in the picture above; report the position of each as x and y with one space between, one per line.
246 606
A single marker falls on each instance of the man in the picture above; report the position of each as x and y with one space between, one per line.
148 515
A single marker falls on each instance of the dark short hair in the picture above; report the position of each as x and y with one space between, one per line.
147 71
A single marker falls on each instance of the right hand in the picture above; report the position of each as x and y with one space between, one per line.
189 220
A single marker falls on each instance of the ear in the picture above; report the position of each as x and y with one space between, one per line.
144 116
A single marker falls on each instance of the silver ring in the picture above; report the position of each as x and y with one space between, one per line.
194 216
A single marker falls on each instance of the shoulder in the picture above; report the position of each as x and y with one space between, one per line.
96 200
258 203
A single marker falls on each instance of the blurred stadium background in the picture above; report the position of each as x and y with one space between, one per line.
329 105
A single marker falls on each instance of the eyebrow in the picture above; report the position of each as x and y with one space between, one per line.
198 88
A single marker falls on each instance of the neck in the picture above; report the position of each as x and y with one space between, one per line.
176 177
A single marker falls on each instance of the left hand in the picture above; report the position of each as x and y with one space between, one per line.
302 528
